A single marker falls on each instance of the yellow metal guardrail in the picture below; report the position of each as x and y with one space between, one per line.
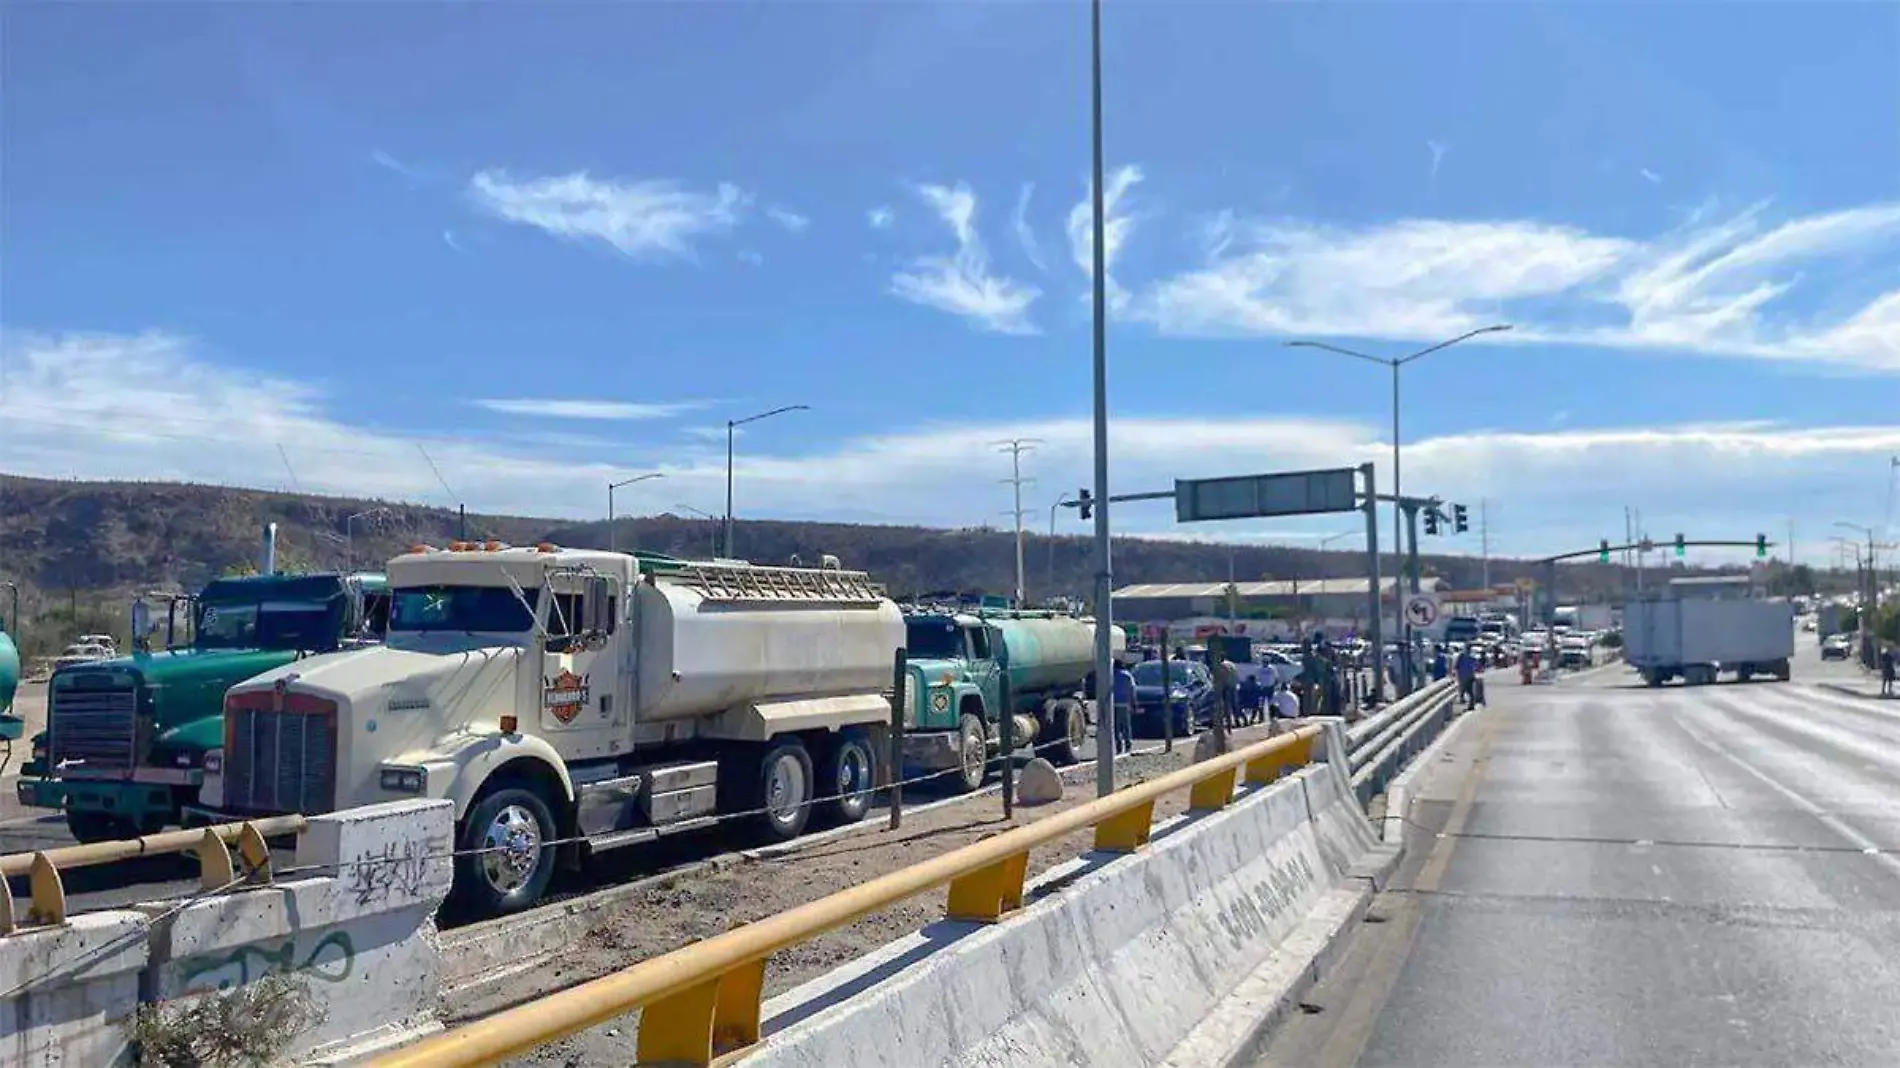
703 1001
212 846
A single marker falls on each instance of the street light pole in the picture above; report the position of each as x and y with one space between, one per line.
712 521
1104 574
611 487
349 535
731 426
1398 488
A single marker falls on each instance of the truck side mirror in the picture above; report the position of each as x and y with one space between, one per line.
600 606
999 650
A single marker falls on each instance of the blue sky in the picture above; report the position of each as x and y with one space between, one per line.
558 244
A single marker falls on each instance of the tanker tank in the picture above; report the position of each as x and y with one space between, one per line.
1050 652
9 672
699 656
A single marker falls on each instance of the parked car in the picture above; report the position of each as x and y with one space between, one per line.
1837 647
1191 700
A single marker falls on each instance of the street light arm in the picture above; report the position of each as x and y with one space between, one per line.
768 415
1493 329
1380 360
636 478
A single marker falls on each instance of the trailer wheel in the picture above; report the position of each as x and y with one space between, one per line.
89 827
849 772
973 753
1071 729
1653 678
506 860
1783 671
784 790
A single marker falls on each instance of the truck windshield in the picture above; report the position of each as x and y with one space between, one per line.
492 609
933 639
269 625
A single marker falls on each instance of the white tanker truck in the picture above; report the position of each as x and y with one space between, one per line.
558 694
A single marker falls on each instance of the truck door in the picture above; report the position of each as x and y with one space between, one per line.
583 710
985 672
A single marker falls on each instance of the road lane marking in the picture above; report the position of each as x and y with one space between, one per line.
1867 846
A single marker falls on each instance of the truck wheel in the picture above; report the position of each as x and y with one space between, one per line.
849 771
1071 730
1782 670
89 827
511 828
1653 678
784 791
1744 673
973 753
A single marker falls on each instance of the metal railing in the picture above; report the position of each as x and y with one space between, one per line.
211 845
1379 745
703 1002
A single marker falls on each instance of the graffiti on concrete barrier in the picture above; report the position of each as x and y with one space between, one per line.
330 960
394 871
1254 913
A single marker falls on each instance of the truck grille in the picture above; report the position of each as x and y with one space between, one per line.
94 722
280 761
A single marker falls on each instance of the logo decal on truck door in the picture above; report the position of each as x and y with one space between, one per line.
565 695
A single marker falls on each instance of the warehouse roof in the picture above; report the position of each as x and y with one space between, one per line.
1306 588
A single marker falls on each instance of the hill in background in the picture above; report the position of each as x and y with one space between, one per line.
80 550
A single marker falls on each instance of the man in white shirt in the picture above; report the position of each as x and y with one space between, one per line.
1285 705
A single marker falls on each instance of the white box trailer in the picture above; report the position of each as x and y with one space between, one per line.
589 698
1696 639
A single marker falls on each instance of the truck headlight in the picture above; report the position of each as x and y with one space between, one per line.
184 759
214 762
940 700
401 780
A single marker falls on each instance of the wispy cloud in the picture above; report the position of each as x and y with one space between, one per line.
1026 234
790 220
1117 225
586 409
880 218
390 163
150 406
448 238
1711 288
1438 149
644 219
1650 176
962 283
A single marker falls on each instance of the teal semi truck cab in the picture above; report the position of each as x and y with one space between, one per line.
967 670
124 748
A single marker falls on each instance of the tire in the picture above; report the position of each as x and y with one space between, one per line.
849 769
1783 670
1653 678
1071 731
512 826
89 827
783 786
973 748
1744 673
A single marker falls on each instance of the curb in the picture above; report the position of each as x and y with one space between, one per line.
1398 799
1843 688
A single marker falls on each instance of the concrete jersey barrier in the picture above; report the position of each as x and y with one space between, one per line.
1117 969
354 934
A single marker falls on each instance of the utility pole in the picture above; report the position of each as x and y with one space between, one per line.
1016 447
1484 541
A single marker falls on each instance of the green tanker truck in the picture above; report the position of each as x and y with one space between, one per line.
10 725
969 669
126 739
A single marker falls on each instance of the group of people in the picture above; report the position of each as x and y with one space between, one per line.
1240 699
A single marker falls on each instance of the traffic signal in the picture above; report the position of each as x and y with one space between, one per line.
1431 520
1460 519
1603 551
1681 549
1085 503
1761 546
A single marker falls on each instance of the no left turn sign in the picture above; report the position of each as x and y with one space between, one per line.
1421 610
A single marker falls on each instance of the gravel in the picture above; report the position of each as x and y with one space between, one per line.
687 911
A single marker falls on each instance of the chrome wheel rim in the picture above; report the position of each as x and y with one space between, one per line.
511 849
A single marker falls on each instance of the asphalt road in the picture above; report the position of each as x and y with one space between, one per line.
1626 876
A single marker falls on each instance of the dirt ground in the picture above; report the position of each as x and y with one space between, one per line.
677 915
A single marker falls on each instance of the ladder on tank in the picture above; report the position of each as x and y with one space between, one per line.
749 584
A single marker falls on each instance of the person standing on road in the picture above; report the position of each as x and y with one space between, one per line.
1889 665
1440 666
1125 708
1227 685
1467 674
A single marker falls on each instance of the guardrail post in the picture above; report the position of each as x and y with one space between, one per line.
709 1019
1214 792
49 893
984 895
899 698
1126 831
